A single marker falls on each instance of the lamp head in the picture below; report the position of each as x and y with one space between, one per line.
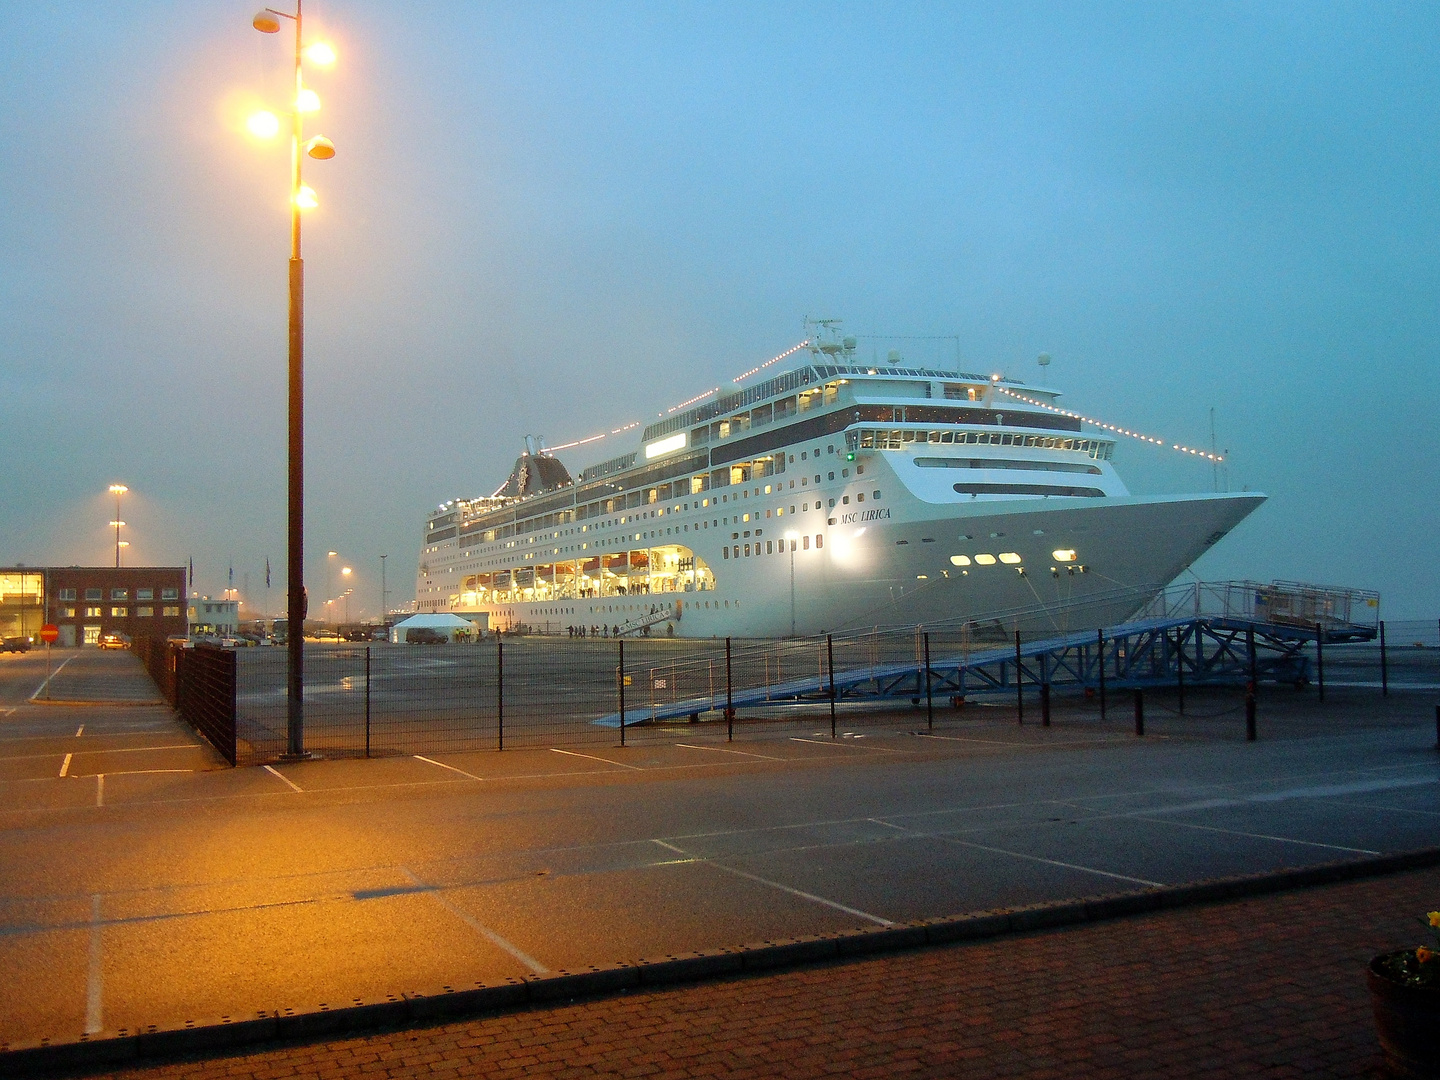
266 22
320 148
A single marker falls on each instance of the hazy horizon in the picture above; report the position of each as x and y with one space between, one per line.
558 220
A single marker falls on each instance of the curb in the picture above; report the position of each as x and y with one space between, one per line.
414 1008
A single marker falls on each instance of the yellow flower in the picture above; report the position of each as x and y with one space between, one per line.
1434 918
1424 955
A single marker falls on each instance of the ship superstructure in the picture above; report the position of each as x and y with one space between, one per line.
835 495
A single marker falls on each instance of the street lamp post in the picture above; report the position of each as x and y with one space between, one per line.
117 490
790 538
384 607
321 148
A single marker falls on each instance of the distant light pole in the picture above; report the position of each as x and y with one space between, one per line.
384 606
345 573
117 490
301 197
330 576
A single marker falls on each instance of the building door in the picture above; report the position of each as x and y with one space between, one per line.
67 636
92 635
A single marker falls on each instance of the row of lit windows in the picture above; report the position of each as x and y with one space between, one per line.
898 439
770 548
121 594
142 612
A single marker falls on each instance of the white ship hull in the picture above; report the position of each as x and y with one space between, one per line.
831 498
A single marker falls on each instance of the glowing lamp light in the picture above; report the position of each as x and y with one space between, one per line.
305 198
320 148
263 125
307 100
322 53
266 22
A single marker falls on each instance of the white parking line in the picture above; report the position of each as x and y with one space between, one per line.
115 750
80 731
592 757
841 742
452 768
52 675
802 895
65 765
1052 862
480 928
93 983
1252 835
100 789
727 750
276 773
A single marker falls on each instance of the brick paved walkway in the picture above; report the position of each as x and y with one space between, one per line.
1268 987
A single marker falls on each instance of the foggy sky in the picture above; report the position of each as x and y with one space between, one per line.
557 219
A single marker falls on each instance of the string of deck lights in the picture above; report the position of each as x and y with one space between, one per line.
1108 427
684 404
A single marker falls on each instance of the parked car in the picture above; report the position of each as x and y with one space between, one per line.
423 635
113 640
15 644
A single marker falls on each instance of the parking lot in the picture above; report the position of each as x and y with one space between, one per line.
145 884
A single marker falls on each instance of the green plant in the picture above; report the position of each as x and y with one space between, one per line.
1419 966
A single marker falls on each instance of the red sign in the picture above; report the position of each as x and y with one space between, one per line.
48 633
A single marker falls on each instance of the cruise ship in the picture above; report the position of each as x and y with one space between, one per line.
837 495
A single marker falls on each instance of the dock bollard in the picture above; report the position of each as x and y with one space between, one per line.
1044 704
1139 712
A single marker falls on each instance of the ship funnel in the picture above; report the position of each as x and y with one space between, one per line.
532 445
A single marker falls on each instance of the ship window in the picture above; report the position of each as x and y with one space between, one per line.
769 547
875 494
985 560
846 500
859 470
860 497
805 542
819 541
803 455
1009 558
1064 554
725 551
960 560
792 509
832 476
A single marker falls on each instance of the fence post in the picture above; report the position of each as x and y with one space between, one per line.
929 700
1139 712
1250 686
729 698
1384 664
1320 658
499 693
1019 689
1180 667
1100 662
830 663
367 701
1045 704
622 691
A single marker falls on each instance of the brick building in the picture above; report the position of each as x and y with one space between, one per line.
87 601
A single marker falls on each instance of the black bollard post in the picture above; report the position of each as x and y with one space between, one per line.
929 700
1044 704
622 691
1139 712
1384 664
729 698
1019 688
499 693
1100 663
1320 659
367 701
1180 668
830 663
1250 686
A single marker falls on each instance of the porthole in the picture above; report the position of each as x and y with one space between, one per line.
1009 558
959 560
985 560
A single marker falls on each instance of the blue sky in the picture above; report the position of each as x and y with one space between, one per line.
559 218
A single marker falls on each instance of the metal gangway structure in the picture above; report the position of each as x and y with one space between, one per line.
1198 634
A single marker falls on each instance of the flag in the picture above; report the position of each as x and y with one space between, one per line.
267 572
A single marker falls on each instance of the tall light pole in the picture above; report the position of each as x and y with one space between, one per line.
117 490
345 573
330 557
301 197
384 607
790 538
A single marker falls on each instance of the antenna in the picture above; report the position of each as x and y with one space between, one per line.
1214 465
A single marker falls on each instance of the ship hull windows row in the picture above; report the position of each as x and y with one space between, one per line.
900 439
669 568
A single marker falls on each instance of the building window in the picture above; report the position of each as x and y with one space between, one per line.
192 611
119 594
144 594
92 633
67 613
119 612
67 594
92 594
144 612
92 613
170 594
171 612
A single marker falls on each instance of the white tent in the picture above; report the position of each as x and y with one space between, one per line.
452 626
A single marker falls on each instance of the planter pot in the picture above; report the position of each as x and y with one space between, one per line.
1407 1019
